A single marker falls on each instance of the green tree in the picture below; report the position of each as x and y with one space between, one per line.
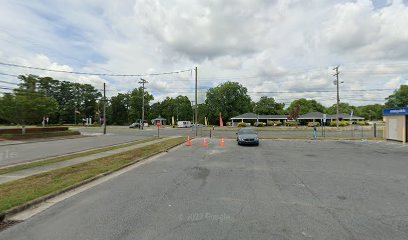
399 98
26 107
343 108
370 112
119 107
268 106
69 96
135 104
307 106
229 99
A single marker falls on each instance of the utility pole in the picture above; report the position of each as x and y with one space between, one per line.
104 108
142 81
196 103
336 82
192 107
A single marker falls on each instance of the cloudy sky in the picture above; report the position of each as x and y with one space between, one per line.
279 48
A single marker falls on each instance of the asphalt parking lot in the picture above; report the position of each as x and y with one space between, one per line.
279 190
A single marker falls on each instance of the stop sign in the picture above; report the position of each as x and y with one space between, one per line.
158 124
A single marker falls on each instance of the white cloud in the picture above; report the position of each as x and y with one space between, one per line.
268 46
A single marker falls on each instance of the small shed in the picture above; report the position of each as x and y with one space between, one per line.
160 120
396 124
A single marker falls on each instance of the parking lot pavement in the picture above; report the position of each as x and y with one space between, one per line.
279 190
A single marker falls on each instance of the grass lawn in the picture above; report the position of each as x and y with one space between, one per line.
39 163
24 190
38 135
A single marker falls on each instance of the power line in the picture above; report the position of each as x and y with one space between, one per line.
1 81
94 74
6 74
324 91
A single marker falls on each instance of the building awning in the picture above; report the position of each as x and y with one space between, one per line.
253 116
313 115
346 116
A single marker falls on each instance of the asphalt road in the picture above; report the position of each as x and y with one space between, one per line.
19 153
12 154
279 190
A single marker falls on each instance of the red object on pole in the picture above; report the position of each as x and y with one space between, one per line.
221 123
188 141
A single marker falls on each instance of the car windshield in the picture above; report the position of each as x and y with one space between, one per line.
246 131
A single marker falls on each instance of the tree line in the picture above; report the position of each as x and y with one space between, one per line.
65 102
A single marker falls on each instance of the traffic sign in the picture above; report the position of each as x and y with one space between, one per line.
324 117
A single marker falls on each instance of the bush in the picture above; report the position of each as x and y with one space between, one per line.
241 124
341 123
228 124
274 123
312 124
260 124
291 124
362 123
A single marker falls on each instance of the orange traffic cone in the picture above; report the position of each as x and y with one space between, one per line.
205 143
222 142
188 141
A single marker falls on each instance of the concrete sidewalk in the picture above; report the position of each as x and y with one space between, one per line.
41 169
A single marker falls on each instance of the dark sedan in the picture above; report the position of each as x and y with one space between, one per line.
247 136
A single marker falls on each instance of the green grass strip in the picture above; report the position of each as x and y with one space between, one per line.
40 163
24 190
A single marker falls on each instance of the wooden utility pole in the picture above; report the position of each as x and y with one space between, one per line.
143 81
104 108
196 103
336 82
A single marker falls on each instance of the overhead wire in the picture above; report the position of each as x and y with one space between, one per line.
93 74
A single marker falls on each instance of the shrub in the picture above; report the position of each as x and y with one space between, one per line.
362 123
228 123
290 124
278 123
312 124
260 124
241 124
341 123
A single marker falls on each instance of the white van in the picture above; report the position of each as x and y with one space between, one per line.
183 124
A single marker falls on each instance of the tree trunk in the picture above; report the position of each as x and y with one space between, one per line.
23 129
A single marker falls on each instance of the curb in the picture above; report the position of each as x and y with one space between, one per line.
70 153
42 199
50 139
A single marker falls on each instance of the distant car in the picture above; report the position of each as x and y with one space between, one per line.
134 125
247 136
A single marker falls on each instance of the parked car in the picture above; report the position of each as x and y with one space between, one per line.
134 125
247 136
